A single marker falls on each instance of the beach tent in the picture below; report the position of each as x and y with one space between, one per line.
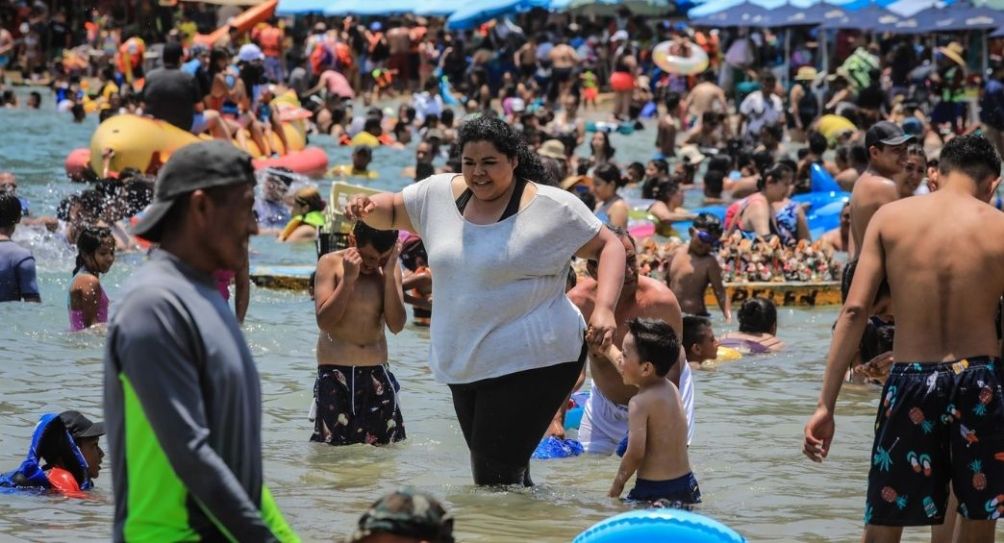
958 19
790 15
478 12
368 7
909 8
740 14
612 7
301 7
867 18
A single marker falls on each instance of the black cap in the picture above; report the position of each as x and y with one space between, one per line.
80 426
197 166
886 133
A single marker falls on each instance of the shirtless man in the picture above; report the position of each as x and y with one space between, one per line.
399 43
669 126
886 145
357 291
563 61
942 398
691 269
706 97
605 418
526 58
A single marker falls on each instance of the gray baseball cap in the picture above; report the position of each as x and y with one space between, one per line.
197 166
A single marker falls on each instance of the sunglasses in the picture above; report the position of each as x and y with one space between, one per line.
705 237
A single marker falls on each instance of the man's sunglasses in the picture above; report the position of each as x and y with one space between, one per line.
705 237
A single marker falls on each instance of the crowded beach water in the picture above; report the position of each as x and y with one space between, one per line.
774 194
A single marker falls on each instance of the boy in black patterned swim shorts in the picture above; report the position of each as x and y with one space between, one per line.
941 414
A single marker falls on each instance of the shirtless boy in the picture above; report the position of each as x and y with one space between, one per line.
358 291
691 269
886 146
605 417
657 444
942 399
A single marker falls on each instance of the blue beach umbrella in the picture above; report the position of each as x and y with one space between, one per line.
301 7
868 18
612 7
479 12
368 7
741 14
958 19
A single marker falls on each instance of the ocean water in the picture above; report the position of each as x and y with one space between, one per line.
746 453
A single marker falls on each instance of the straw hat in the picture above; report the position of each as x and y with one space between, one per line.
552 149
954 52
806 73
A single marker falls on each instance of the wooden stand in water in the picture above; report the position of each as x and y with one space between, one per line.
805 294
809 294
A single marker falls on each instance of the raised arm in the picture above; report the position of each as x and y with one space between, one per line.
333 286
384 211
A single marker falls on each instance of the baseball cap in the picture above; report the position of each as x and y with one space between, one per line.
250 52
80 426
886 133
197 166
408 513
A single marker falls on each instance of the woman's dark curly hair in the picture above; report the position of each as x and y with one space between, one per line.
507 140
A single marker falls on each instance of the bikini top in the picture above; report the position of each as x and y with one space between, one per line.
511 208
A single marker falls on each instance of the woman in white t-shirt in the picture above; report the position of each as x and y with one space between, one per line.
505 338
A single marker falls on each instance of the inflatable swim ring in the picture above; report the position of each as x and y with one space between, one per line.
602 126
552 447
145 144
727 354
659 525
821 180
694 63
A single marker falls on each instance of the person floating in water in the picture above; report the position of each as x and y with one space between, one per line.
941 411
757 329
358 292
68 445
699 340
88 303
308 216
362 156
657 421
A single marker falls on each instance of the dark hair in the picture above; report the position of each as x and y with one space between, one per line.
817 143
708 222
775 172
363 150
609 173
876 339
423 170
372 123
55 448
660 165
665 190
88 241
758 315
172 53
720 163
446 117
507 141
381 240
858 155
656 343
693 329
608 150
138 195
971 155
554 170
10 210
587 198
637 167
714 183
672 100
36 96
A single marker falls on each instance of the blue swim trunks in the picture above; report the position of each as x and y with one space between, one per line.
937 423
681 492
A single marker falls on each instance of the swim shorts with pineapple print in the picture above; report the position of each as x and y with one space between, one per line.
357 404
938 423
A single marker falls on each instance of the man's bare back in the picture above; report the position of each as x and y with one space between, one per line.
943 259
562 56
357 338
652 299
398 40
704 97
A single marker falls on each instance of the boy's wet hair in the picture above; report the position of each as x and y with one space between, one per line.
381 240
693 330
758 316
971 155
638 168
714 183
709 222
817 143
10 210
656 342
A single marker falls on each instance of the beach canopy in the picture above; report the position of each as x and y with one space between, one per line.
650 8
958 19
868 18
741 14
790 15
482 11
301 7
909 8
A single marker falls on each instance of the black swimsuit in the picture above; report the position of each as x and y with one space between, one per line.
511 209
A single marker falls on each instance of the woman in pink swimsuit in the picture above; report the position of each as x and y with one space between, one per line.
88 303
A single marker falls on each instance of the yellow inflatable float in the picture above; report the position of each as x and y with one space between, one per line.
143 143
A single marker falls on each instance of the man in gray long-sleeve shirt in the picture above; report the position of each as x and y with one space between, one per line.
182 395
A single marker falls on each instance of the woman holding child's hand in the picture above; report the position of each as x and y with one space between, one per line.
505 338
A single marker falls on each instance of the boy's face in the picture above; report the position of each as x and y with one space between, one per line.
373 260
633 369
92 454
707 348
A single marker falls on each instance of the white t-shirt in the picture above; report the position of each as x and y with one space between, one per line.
500 304
760 112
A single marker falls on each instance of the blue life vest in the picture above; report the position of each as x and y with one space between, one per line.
30 474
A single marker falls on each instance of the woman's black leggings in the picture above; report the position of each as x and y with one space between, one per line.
504 418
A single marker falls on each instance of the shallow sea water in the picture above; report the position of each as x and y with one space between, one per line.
746 453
